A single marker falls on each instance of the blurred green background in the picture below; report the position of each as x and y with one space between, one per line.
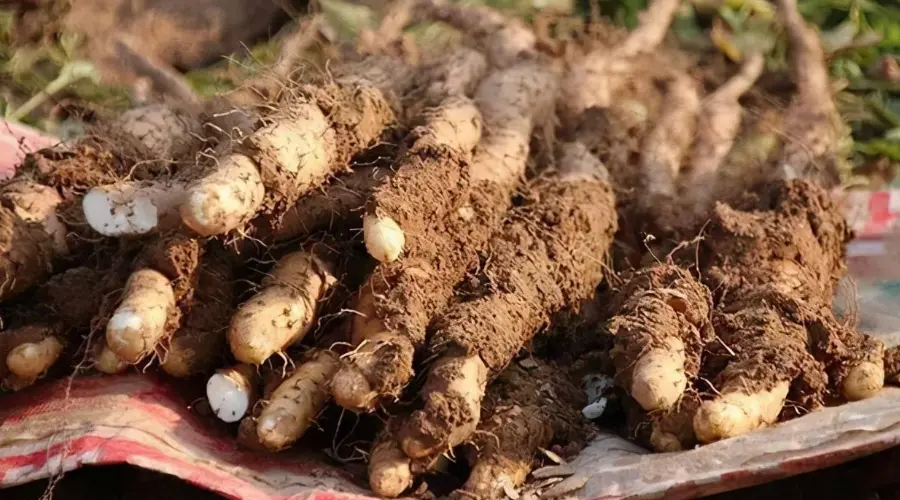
862 38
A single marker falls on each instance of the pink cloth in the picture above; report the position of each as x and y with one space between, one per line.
16 140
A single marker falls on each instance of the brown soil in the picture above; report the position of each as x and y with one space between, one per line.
359 105
549 255
657 303
336 208
523 410
199 345
26 254
773 267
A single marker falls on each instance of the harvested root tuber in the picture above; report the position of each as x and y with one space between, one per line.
524 410
660 328
718 124
548 256
133 208
595 80
232 391
26 254
200 342
284 311
314 134
408 293
296 403
140 321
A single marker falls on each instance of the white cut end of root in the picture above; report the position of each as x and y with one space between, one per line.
117 218
228 399
125 320
383 237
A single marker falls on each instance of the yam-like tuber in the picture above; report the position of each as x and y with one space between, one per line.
28 351
313 135
200 342
26 254
449 133
337 207
812 118
232 391
774 265
595 80
105 361
718 124
410 292
549 255
164 132
664 149
296 403
140 321
284 310
504 39
660 328
36 203
774 258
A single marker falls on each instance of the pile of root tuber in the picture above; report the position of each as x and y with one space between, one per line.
423 254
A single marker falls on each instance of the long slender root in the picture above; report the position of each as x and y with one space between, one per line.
512 102
314 134
536 272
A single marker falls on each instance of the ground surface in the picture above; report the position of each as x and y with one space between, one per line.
869 478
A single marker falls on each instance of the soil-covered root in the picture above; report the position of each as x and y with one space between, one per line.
504 39
548 256
285 308
668 430
36 203
456 74
159 284
524 410
769 354
406 294
200 343
664 150
417 194
595 80
812 121
661 325
26 254
140 321
164 132
336 208
718 123
315 132
297 401
773 264
232 391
